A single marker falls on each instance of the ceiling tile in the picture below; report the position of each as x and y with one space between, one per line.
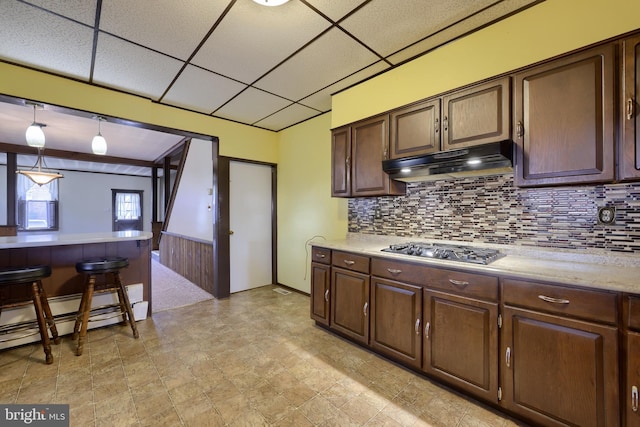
252 39
335 9
80 10
169 26
325 61
410 21
251 106
201 90
40 39
469 24
321 100
132 68
294 113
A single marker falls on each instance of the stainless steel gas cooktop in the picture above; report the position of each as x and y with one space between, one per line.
448 252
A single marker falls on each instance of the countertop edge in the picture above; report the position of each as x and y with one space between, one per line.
59 239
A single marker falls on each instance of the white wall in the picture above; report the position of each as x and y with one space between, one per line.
192 215
85 200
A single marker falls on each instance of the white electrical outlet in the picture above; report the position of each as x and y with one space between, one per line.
606 215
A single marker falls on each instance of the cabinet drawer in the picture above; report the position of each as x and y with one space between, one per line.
321 255
350 261
469 284
633 319
582 303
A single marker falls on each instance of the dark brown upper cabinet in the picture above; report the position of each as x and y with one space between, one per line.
630 141
564 123
475 115
357 154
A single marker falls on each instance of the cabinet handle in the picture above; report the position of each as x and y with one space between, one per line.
321 255
417 327
347 161
394 271
385 154
427 327
326 295
349 262
445 123
507 357
553 300
629 108
364 309
459 283
519 129
437 126
634 399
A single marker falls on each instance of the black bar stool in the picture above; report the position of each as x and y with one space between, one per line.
31 275
110 268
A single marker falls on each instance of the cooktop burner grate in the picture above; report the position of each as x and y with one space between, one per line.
445 251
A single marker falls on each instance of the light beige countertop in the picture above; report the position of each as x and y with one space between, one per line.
30 240
592 269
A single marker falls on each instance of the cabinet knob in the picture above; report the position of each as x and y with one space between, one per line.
364 309
507 357
634 399
519 129
321 255
394 271
417 327
437 126
554 300
326 295
349 262
630 109
459 283
427 327
445 123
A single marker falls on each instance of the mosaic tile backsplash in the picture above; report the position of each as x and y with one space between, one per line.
492 210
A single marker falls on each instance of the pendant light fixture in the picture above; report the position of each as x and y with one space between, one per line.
271 2
34 134
38 176
99 144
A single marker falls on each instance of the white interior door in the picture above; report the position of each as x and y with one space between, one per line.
250 223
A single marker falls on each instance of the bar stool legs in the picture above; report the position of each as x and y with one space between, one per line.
110 268
44 318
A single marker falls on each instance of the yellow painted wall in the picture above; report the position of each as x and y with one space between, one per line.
540 32
236 140
305 206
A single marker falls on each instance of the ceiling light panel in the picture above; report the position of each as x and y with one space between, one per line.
292 114
132 68
40 39
268 36
200 90
251 106
79 10
335 9
326 60
410 21
172 27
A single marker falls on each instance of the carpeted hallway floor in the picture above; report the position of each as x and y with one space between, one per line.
171 290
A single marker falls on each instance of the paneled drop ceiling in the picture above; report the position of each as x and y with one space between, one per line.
268 67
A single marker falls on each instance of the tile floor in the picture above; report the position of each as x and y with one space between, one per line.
255 359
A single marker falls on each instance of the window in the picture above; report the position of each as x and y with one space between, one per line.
37 205
127 210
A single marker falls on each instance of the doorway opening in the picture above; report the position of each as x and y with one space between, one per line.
127 210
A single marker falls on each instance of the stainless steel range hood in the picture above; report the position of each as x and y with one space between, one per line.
488 159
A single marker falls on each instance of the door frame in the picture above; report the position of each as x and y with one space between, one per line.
114 193
222 286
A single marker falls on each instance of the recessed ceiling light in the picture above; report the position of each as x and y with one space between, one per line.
474 161
271 2
405 170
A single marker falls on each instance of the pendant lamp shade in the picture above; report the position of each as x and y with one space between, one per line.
271 2
35 135
99 144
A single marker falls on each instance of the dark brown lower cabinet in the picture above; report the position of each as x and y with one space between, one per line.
350 304
558 371
461 342
320 292
396 317
632 381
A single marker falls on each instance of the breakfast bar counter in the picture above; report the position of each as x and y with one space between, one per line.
62 252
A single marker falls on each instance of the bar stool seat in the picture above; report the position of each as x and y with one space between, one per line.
10 276
110 268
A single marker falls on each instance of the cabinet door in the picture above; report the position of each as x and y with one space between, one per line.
396 316
477 115
370 146
630 150
415 130
461 342
341 162
320 292
632 382
558 371
350 304
564 120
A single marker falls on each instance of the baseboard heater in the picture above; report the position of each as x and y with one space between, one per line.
17 323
